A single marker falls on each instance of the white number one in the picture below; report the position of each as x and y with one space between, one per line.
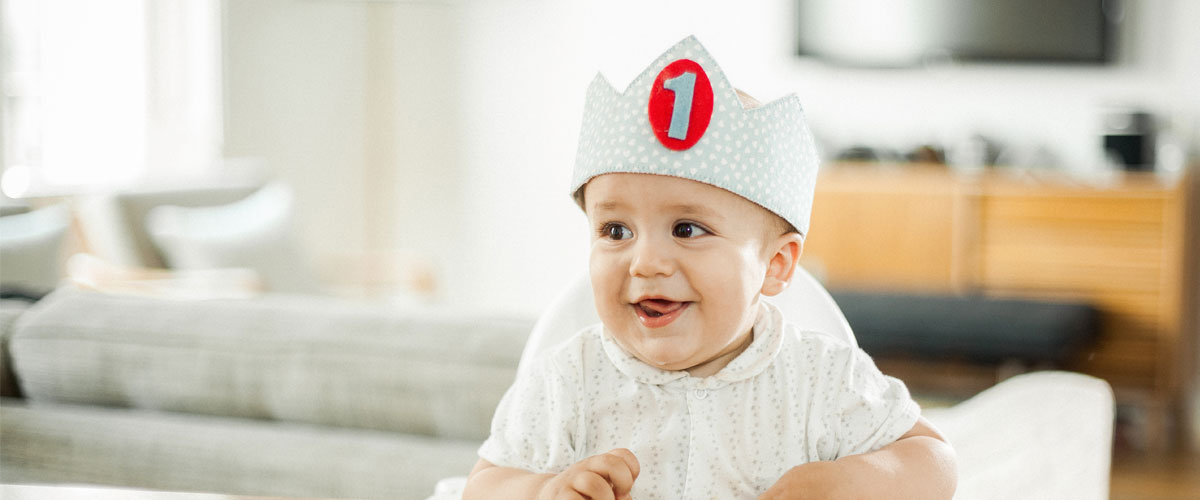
683 86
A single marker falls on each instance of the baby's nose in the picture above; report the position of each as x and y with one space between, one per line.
651 259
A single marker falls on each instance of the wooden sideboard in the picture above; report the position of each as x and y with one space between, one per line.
1127 245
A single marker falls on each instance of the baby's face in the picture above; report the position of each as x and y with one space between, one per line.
677 268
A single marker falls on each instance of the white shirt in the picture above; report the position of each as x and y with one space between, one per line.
790 398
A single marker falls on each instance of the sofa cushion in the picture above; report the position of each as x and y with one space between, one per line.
287 357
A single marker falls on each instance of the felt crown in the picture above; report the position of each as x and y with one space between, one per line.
681 117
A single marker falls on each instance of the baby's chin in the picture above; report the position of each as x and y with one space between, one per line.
667 357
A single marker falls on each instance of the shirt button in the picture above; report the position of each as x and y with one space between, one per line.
700 393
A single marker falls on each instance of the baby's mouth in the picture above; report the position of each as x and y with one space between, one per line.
659 312
658 307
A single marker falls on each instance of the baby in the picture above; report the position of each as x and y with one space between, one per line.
692 386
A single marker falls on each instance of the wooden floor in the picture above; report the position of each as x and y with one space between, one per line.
1137 476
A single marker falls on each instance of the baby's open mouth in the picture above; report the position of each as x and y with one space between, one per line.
657 307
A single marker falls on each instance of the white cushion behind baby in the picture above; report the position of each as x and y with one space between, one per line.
255 232
1039 436
805 303
31 247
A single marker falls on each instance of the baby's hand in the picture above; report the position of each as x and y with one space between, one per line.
607 476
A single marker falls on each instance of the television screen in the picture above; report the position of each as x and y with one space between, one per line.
910 32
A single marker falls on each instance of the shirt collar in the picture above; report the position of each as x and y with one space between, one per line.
768 338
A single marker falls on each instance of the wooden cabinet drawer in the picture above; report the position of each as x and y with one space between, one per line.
1073 243
1048 267
1064 205
867 234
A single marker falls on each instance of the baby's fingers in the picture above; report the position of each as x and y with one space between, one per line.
623 471
630 460
592 485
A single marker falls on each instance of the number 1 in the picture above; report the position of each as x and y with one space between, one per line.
683 86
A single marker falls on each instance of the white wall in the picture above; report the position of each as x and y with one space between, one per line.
530 61
522 90
446 128
414 132
352 104
294 97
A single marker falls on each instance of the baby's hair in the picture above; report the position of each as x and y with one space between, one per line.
748 101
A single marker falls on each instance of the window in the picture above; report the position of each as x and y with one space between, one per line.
102 95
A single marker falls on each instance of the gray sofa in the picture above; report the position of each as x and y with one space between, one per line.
281 395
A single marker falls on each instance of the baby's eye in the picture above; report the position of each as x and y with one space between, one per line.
616 232
688 230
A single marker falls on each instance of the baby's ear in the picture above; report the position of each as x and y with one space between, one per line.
782 263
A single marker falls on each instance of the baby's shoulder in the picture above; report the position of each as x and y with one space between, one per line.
814 348
571 355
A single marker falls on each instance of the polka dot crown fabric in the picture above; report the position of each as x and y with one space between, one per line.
765 155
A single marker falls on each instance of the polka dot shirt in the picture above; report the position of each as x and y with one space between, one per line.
790 398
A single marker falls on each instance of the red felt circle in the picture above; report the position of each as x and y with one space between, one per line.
662 105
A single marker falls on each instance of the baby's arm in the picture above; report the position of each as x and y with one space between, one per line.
608 476
919 465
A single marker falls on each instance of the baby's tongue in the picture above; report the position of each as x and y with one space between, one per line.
660 306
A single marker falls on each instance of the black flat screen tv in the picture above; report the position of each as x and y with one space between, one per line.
914 32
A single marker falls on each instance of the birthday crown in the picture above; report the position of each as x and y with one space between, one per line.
682 118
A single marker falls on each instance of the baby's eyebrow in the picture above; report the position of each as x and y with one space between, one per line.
607 205
690 209
682 209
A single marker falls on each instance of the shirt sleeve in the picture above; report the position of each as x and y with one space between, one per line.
870 410
532 427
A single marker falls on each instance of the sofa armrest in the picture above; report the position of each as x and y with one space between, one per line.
10 310
283 357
